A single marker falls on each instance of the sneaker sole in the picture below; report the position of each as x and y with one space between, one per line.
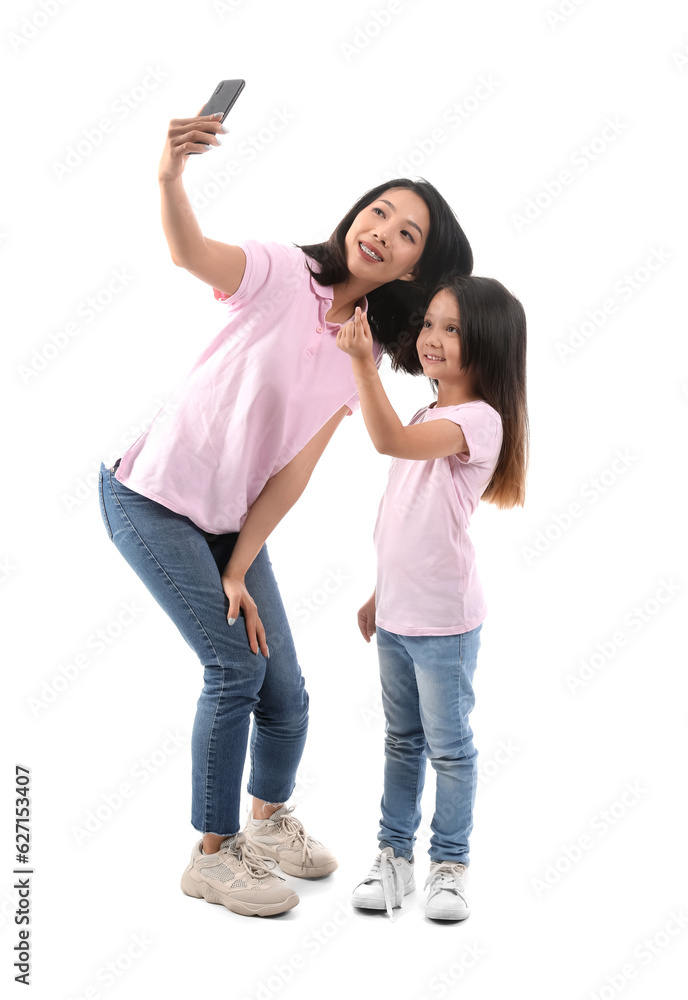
374 903
446 914
203 891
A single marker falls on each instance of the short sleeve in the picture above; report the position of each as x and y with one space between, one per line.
482 428
354 403
266 263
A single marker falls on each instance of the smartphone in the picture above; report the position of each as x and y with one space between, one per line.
223 99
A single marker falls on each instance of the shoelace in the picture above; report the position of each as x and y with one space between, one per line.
256 865
297 835
446 876
389 875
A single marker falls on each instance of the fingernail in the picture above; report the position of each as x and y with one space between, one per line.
268 649
207 145
230 621
218 114
224 128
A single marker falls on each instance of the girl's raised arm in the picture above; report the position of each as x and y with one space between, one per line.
435 439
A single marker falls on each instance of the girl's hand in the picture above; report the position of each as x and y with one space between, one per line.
187 135
366 619
355 338
240 599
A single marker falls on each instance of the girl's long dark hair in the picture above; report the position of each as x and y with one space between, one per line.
396 309
492 331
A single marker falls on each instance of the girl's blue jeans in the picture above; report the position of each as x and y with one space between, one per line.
427 696
181 566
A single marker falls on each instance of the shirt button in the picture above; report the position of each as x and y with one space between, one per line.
319 329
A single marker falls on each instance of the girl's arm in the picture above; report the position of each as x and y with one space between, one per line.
219 264
433 439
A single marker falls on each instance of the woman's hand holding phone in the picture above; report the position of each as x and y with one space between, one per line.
188 135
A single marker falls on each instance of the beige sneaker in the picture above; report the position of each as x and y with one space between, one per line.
283 838
238 878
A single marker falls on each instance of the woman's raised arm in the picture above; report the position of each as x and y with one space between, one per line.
220 265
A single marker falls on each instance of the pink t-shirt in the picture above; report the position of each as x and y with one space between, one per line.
266 383
427 581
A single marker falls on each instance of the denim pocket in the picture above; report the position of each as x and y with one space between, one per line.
102 505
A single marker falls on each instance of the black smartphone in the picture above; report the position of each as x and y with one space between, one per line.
223 99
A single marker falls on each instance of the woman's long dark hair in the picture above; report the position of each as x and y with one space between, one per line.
396 309
492 331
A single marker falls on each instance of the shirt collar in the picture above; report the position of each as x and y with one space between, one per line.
326 292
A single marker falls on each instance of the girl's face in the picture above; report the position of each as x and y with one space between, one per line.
439 339
394 229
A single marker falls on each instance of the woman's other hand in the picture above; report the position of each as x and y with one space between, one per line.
240 600
187 135
355 338
366 618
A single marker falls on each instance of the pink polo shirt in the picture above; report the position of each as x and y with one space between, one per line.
261 389
427 581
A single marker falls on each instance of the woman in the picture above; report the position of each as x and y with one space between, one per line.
191 503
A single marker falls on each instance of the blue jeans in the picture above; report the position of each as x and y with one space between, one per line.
427 696
181 565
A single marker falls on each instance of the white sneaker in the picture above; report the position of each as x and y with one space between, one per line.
388 881
447 893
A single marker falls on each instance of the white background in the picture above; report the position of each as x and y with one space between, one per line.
546 920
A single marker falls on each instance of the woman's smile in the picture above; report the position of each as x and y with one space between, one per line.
369 252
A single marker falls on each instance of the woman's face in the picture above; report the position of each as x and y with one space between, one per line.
439 337
395 229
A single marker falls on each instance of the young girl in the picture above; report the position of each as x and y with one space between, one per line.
428 606
190 504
